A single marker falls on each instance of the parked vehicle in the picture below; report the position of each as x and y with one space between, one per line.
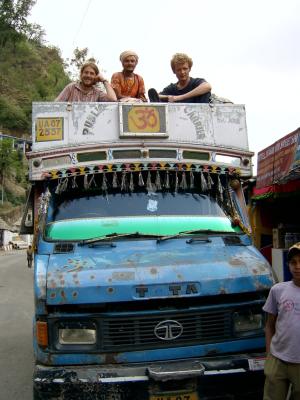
18 243
147 285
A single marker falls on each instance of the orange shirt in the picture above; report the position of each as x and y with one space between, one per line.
128 87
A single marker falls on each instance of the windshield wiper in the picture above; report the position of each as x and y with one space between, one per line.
195 232
107 239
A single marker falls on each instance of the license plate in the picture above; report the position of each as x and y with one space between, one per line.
175 396
256 364
48 129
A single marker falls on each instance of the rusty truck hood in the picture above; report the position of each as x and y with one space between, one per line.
145 269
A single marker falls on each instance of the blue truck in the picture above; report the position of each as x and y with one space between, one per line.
146 282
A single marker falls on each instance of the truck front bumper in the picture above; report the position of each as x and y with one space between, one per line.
227 377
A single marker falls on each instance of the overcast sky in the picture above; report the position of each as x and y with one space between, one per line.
248 50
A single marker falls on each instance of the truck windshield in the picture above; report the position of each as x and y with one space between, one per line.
159 213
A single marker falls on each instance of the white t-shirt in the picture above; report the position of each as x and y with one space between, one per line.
284 301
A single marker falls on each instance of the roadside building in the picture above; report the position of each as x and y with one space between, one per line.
274 201
5 235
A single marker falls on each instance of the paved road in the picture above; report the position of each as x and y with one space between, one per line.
16 310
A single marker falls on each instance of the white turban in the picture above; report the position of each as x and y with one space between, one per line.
128 53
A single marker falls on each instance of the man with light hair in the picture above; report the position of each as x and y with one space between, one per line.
127 85
186 89
85 89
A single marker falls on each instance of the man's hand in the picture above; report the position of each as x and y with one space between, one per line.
99 78
174 99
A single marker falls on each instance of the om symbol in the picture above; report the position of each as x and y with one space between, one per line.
143 119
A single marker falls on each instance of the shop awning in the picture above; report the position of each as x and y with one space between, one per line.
278 168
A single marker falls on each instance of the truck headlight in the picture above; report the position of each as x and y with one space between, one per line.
248 322
76 336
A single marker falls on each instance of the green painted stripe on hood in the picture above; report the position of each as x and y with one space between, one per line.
78 229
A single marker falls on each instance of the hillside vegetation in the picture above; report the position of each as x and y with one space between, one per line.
30 71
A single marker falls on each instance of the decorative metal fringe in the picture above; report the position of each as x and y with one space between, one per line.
124 181
203 183
176 183
44 201
131 185
149 183
141 180
167 181
192 180
210 182
183 184
104 185
43 208
220 190
62 186
85 182
115 183
57 190
157 181
74 184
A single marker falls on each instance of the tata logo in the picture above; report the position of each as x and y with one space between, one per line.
168 330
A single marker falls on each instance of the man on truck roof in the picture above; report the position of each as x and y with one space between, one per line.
187 89
128 85
85 89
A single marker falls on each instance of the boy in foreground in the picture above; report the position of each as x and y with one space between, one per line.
282 366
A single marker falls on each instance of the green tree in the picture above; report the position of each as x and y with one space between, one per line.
7 161
13 20
80 57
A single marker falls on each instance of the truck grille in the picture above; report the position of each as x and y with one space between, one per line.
138 332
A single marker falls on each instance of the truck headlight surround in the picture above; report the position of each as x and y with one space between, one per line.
248 322
77 334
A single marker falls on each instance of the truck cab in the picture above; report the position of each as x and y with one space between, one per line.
147 285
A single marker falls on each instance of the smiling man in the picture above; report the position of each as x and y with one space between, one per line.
85 89
187 89
128 85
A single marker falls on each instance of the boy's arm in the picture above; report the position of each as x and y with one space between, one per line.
270 330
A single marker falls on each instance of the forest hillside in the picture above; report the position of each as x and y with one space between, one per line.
30 70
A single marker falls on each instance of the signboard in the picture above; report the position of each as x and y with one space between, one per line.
278 160
138 120
49 129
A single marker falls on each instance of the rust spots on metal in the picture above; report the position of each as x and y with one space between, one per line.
76 268
110 290
74 295
63 294
237 262
53 295
111 358
123 276
52 283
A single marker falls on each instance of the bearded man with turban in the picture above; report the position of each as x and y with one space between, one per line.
128 86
